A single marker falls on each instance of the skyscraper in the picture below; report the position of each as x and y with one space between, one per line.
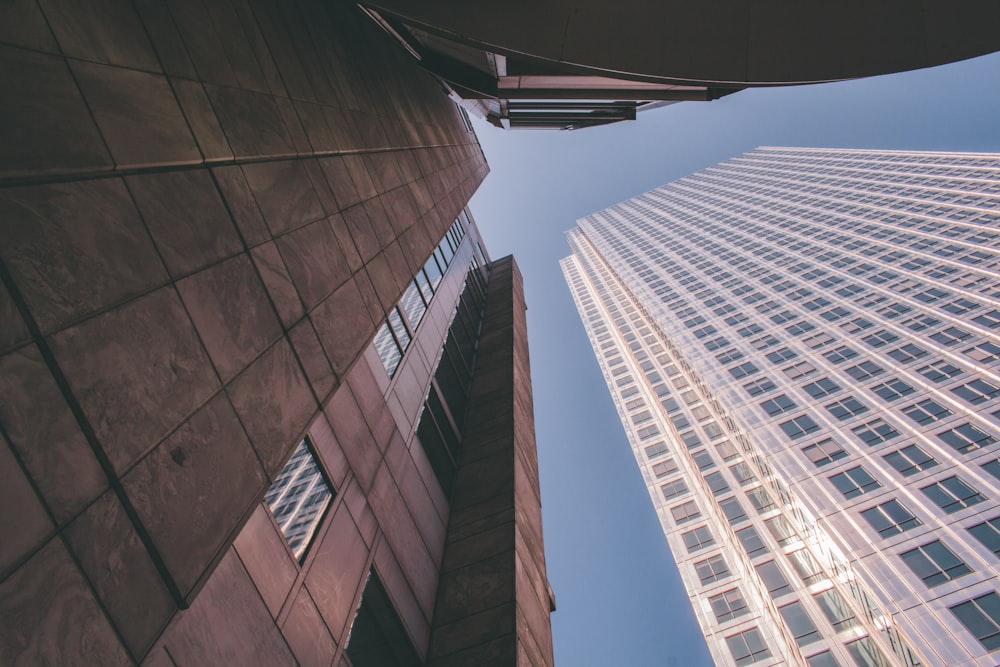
802 345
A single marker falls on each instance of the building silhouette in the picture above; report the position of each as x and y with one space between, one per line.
802 347
212 452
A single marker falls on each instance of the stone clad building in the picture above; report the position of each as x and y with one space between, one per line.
211 214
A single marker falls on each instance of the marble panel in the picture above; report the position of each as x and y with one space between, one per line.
251 121
46 436
343 325
284 193
242 205
204 123
314 260
104 31
74 248
27 527
120 570
203 42
337 571
338 175
186 218
137 371
278 283
366 240
13 331
307 634
206 463
22 24
166 40
228 624
231 312
352 433
267 558
138 116
48 616
274 403
314 361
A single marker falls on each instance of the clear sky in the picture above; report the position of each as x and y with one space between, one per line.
620 601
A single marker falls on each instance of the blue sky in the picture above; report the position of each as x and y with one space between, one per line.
619 597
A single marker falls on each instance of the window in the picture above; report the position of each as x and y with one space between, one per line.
939 371
880 338
988 533
846 408
728 605
908 353
976 392
818 340
981 617
781 530
764 342
854 482
875 432
760 499
966 438
984 353
759 386
751 541
748 647
664 468
952 494
743 473
836 610
698 539
729 356
799 370
733 510
934 563
711 569
685 512
951 336
806 567
910 460
990 320
866 653
892 390
798 427
298 498
774 580
824 452
840 354
778 405
926 412
822 387
890 518
673 489
653 451
799 623
703 460
781 356
865 370
822 659
726 450
716 483
743 370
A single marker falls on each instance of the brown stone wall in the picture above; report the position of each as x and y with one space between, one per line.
205 209
493 600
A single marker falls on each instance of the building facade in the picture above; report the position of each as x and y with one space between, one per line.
240 296
802 345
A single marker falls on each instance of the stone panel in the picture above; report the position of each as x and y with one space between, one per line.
307 634
242 204
46 125
274 403
231 312
137 114
186 219
75 248
46 436
136 371
120 570
104 31
27 528
204 123
251 121
314 260
267 559
22 24
171 488
313 359
343 325
284 193
336 573
48 616
278 283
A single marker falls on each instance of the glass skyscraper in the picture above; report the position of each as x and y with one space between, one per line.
803 347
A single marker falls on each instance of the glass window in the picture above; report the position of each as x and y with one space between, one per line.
685 512
822 387
988 533
854 482
759 386
934 563
836 610
298 499
977 391
799 623
673 489
910 460
750 539
846 408
981 617
799 426
824 659
866 653
743 370
865 370
698 539
711 569
776 583
778 405
728 605
733 510
890 518
939 371
893 389
748 647
952 494
824 452
806 566
966 438
665 468
875 432
926 412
